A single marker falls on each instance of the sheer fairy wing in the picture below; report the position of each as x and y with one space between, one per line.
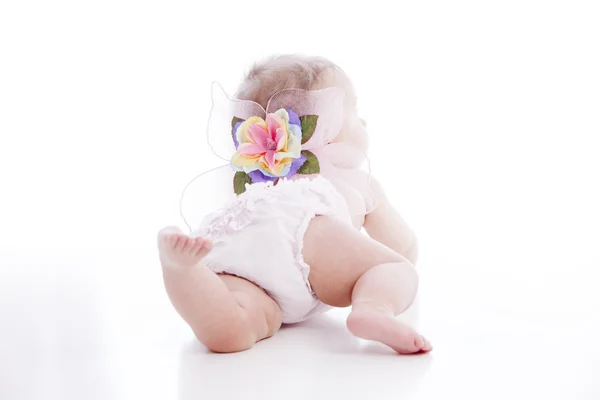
347 167
321 113
319 116
212 189
205 194
225 114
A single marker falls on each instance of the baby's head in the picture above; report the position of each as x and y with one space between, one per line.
308 73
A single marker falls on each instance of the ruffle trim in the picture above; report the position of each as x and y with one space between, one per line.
238 212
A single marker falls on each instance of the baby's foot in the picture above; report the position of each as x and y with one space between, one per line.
374 325
176 249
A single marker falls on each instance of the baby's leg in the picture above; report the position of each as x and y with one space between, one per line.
383 292
348 267
226 313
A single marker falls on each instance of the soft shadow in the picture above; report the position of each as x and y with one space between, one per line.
301 361
323 333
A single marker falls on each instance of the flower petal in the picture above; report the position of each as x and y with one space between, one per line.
295 166
244 162
266 171
258 176
283 114
235 129
281 139
273 125
282 118
242 134
270 158
258 135
251 149
296 130
293 118
294 146
278 169
285 170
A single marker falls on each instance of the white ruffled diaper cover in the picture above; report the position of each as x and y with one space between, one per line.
259 236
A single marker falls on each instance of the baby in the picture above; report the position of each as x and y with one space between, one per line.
295 249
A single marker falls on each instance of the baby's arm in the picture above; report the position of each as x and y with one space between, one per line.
387 226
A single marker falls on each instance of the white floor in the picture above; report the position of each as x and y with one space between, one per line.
97 325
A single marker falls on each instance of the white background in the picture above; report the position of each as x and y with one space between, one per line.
485 127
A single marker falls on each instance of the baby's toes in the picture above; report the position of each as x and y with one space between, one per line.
188 245
204 248
419 342
172 240
426 345
197 244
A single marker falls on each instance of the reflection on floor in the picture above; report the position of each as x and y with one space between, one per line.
91 327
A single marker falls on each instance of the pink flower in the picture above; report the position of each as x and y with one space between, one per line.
269 146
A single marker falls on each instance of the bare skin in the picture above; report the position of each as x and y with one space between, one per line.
230 314
226 313
379 283
374 274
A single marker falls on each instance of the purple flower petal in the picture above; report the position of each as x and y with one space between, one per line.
296 164
235 128
258 176
294 119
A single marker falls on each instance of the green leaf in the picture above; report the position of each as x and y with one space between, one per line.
309 124
239 182
234 121
311 165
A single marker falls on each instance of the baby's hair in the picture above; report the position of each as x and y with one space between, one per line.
276 73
